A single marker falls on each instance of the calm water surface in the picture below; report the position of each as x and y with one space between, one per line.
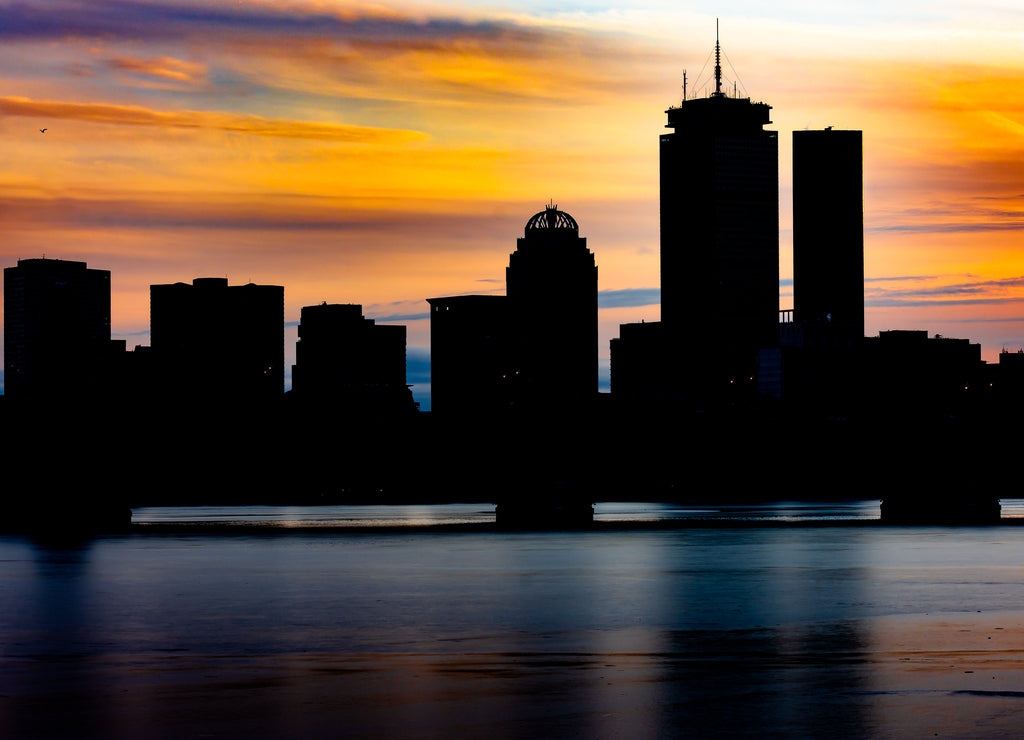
776 632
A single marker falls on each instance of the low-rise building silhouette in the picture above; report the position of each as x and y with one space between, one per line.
344 359
643 364
212 341
908 373
473 361
1003 384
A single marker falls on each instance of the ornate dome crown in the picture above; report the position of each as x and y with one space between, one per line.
552 218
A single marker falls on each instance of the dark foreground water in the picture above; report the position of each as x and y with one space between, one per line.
810 632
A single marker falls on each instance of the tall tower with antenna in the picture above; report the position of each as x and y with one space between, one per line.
719 238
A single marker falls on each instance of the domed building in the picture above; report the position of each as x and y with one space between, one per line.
534 347
551 283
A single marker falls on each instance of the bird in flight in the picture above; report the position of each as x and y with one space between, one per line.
42 130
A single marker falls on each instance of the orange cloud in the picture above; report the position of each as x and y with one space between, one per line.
465 65
162 68
132 115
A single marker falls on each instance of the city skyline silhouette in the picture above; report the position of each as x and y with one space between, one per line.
726 350
166 173
726 344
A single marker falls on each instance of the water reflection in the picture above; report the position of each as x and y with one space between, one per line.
392 515
790 632
477 513
784 511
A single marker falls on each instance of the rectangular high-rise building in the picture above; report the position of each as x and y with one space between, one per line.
56 329
719 239
828 233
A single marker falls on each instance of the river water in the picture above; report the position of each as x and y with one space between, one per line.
846 629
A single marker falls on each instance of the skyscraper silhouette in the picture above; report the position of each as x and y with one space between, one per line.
551 283
719 237
56 329
828 233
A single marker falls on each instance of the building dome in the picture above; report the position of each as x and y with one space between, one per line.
552 218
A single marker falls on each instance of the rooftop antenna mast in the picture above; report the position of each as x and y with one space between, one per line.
718 65
684 85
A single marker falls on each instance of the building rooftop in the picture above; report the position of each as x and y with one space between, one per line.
552 218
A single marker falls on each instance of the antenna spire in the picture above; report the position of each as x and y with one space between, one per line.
718 64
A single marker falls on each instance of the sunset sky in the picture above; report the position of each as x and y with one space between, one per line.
382 153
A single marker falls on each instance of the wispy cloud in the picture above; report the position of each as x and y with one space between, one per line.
970 288
156 20
351 50
249 211
989 320
975 212
132 115
497 64
899 278
949 228
161 69
883 302
939 291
